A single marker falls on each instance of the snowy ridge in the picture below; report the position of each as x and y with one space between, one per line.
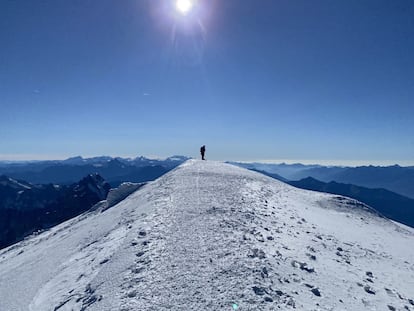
6 181
211 236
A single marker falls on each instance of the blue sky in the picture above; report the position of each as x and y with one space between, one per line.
319 81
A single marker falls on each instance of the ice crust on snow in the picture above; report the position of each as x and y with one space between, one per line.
211 236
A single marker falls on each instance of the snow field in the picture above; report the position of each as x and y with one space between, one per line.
211 236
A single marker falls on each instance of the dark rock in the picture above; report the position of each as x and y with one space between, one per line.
268 299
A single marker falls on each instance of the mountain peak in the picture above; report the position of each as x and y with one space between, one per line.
212 236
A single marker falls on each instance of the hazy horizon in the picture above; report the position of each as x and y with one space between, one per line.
322 162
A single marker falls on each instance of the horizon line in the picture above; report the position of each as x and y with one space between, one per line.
322 162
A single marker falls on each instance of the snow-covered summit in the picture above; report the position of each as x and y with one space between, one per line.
211 236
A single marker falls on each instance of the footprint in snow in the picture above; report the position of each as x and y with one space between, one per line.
142 233
137 270
369 290
104 261
260 291
302 265
256 253
139 254
316 291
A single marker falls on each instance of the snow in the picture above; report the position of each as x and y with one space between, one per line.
212 236
6 181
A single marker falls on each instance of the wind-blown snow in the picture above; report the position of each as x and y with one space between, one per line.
211 236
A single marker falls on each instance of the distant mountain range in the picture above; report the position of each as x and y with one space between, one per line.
36 195
26 208
113 170
393 178
387 203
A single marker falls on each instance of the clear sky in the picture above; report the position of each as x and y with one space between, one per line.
316 80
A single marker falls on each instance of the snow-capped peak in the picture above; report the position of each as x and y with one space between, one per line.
211 236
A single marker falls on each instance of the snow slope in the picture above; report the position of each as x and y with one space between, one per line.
212 236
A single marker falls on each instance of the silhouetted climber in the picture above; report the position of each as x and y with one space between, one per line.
202 151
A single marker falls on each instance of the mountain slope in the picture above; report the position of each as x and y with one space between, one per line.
211 236
394 178
389 204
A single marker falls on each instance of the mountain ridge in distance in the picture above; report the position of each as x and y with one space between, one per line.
114 169
394 178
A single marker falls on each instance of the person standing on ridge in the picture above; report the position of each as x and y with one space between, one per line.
202 151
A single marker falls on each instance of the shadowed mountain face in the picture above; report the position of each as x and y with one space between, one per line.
39 203
114 170
26 208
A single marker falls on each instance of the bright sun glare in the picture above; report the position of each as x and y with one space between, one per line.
183 6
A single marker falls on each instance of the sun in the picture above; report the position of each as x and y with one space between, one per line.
184 6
